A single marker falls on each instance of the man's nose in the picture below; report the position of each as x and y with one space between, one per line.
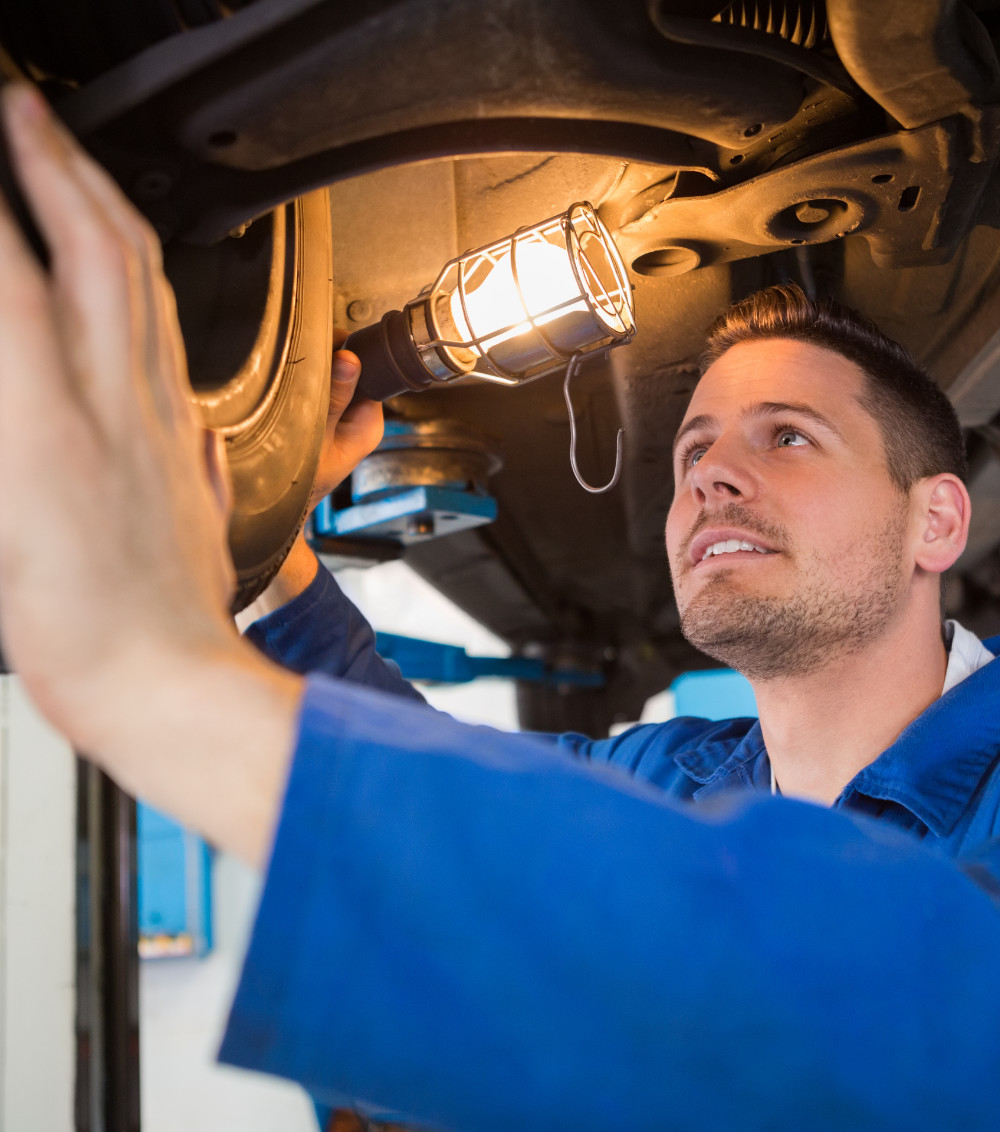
722 474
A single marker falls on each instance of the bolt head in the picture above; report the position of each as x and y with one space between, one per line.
360 310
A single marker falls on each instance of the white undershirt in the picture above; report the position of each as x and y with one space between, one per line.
966 654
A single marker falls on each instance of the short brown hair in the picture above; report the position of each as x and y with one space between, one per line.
920 430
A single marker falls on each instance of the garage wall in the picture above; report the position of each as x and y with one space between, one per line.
37 919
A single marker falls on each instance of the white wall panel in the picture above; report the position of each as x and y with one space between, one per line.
37 919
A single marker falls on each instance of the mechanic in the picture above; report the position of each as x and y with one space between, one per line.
830 607
464 925
819 498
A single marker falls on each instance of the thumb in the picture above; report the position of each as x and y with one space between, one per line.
344 374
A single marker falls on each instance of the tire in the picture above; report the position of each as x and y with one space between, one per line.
256 313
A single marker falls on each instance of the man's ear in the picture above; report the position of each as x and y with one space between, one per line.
943 510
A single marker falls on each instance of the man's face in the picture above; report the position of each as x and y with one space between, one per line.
786 537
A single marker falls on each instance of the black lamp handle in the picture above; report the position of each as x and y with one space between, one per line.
390 363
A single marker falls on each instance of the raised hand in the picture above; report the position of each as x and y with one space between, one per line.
353 429
114 569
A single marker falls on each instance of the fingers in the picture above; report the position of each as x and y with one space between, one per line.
344 374
41 138
113 311
113 554
78 234
353 428
33 380
359 430
24 291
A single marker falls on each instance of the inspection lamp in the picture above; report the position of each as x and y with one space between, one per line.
506 312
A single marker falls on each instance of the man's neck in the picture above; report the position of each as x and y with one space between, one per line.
823 727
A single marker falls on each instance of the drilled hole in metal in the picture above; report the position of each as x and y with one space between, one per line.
753 130
812 221
882 178
908 198
666 261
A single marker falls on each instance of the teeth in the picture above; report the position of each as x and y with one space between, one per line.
730 546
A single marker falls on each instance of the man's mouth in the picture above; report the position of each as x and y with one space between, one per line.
731 546
719 541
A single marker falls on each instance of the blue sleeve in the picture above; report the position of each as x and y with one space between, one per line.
322 630
469 928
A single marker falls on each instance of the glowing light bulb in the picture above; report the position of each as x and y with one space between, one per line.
503 307
514 309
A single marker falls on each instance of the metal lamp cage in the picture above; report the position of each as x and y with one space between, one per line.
538 339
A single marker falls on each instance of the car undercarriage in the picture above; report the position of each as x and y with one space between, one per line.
308 158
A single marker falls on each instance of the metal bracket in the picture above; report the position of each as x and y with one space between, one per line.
406 517
911 195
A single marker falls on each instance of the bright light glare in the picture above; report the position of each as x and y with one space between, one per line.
546 279
525 305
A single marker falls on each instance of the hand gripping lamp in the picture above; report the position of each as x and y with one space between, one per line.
508 312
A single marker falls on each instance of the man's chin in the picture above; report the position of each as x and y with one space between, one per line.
721 639
721 587
762 637
768 638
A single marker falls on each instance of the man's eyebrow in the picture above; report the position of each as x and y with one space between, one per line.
703 420
776 408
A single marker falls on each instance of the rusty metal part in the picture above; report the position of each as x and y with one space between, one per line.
923 60
910 195
768 38
226 120
241 107
802 23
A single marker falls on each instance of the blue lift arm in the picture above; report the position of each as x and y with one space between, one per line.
451 664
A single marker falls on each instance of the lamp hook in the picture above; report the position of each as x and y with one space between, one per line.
574 365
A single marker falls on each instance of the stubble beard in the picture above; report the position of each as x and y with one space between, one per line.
767 637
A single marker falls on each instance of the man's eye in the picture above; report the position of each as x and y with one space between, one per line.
691 455
790 438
